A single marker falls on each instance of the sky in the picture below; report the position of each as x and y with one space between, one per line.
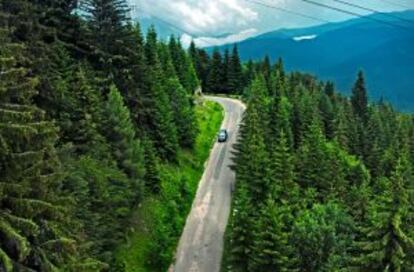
216 22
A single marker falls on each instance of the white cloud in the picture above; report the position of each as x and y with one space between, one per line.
307 37
208 41
201 17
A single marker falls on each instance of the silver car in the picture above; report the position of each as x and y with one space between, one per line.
222 136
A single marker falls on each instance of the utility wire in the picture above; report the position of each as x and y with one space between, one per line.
287 11
179 29
356 14
396 4
373 10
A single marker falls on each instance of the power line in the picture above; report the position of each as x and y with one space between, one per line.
396 4
287 11
356 14
373 10
179 29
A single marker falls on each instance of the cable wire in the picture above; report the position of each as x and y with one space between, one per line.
373 10
357 15
287 11
396 4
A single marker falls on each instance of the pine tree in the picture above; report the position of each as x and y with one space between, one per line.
359 97
152 167
284 189
191 81
271 250
234 73
280 120
241 225
388 240
125 146
184 116
215 80
322 238
158 111
107 20
34 225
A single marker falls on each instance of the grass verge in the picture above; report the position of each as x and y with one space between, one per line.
158 222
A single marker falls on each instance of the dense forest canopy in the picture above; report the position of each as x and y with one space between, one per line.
324 182
90 109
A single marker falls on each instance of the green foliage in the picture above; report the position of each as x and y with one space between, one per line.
387 240
322 237
89 112
158 222
126 148
271 250
35 228
323 182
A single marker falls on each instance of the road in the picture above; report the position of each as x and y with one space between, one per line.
201 244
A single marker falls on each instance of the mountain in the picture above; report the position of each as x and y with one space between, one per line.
336 51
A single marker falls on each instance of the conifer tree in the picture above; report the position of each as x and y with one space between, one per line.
34 226
283 187
107 19
359 97
158 111
125 146
234 73
215 79
184 117
241 223
322 238
388 240
271 250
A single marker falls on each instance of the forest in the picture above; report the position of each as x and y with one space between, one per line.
324 182
103 141
94 120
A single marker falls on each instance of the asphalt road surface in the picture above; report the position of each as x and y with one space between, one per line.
201 245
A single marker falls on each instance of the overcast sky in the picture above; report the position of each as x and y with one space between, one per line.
234 20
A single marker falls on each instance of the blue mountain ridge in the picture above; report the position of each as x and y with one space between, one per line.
339 50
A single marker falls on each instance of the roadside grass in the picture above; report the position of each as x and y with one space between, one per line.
157 224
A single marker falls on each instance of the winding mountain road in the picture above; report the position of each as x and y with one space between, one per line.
201 245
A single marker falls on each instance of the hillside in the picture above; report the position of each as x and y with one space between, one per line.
336 51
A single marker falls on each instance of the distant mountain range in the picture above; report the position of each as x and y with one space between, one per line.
336 51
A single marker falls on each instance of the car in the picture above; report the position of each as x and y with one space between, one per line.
222 135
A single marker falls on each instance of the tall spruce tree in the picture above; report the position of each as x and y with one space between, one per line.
125 146
359 97
34 224
271 250
215 80
158 111
388 240
234 73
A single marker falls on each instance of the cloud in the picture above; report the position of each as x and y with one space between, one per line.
201 17
209 41
306 37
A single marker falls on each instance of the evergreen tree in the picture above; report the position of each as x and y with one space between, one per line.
215 80
271 250
322 238
125 146
388 240
284 189
359 97
158 111
241 224
225 71
234 73
107 20
184 116
34 226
